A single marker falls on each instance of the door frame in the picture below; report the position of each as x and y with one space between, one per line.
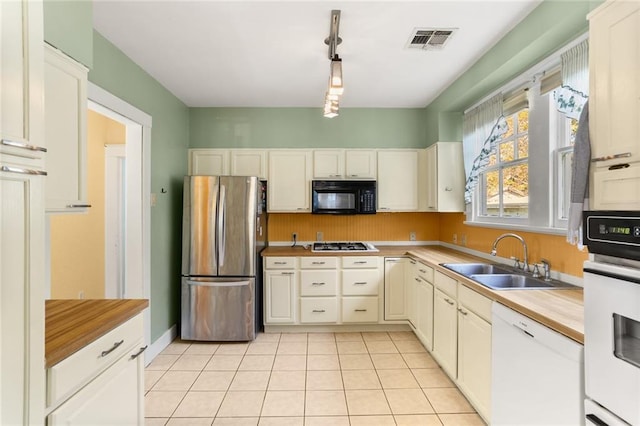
138 128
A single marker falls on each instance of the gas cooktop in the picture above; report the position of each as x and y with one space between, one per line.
342 246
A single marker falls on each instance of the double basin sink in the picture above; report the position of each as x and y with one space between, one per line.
500 277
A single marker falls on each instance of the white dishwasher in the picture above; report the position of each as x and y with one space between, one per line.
537 373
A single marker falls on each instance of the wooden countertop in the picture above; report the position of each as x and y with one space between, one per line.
560 310
72 324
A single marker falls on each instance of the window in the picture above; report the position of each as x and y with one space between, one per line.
563 157
505 181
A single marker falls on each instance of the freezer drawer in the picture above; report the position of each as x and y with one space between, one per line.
218 309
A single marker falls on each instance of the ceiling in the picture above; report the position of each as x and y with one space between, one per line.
272 54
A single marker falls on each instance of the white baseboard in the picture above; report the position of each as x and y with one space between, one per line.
161 343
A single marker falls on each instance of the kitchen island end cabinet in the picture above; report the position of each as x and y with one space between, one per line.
95 376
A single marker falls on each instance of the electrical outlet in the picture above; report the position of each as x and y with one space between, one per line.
412 236
319 236
81 295
455 238
463 240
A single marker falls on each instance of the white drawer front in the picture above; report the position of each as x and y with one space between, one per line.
318 309
318 283
425 272
360 262
77 369
446 284
359 309
360 282
279 262
475 302
317 262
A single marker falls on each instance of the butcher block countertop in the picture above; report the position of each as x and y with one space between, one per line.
560 310
72 324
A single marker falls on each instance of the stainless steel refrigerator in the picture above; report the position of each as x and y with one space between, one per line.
223 231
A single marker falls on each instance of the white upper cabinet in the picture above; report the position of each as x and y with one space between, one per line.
614 98
289 182
360 164
344 164
66 132
445 177
398 180
214 162
249 162
614 105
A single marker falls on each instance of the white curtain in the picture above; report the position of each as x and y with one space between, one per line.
483 126
574 92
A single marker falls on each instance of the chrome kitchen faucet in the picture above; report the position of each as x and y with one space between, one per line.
525 267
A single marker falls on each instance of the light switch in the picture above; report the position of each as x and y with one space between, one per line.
154 199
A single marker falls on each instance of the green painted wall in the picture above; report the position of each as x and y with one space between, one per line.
306 128
117 74
546 29
68 25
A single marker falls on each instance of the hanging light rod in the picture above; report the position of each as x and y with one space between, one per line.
333 40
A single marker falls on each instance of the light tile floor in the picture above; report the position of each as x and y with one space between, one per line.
310 379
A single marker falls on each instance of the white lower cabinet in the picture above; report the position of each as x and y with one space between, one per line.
318 310
445 331
279 296
424 307
474 349
102 383
396 297
359 309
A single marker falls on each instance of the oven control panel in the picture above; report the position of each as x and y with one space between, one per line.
613 233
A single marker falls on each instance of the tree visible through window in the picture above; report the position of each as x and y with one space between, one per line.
505 190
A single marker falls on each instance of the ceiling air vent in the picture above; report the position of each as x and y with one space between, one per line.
430 38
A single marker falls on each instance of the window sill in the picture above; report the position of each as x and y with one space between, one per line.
518 227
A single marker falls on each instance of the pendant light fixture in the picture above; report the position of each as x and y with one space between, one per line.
336 88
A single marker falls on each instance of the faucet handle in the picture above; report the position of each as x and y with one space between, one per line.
547 269
516 262
536 270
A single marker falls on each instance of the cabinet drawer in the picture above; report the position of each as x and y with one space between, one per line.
280 262
318 309
425 272
318 283
360 282
360 262
359 309
82 366
616 189
446 284
318 262
475 302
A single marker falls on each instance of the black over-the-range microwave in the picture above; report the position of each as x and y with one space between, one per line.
343 196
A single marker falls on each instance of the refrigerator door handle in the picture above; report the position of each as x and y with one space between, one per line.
218 283
221 224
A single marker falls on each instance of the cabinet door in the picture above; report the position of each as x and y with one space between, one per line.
115 397
412 290
432 178
360 164
445 332
424 328
614 61
450 179
395 289
279 297
66 129
474 359
397 180
289 181
21 214
213 162
249 163
328 164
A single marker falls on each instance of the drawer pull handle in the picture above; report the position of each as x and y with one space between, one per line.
318 283
318 311
424 271
287 273
448 301
462 312
417 279
360 283
611 157
113 348
317 263
23 145
22 171
360 262
279 263
78 206
137 354
361 310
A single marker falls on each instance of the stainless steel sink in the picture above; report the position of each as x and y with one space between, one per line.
468 269
517 282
